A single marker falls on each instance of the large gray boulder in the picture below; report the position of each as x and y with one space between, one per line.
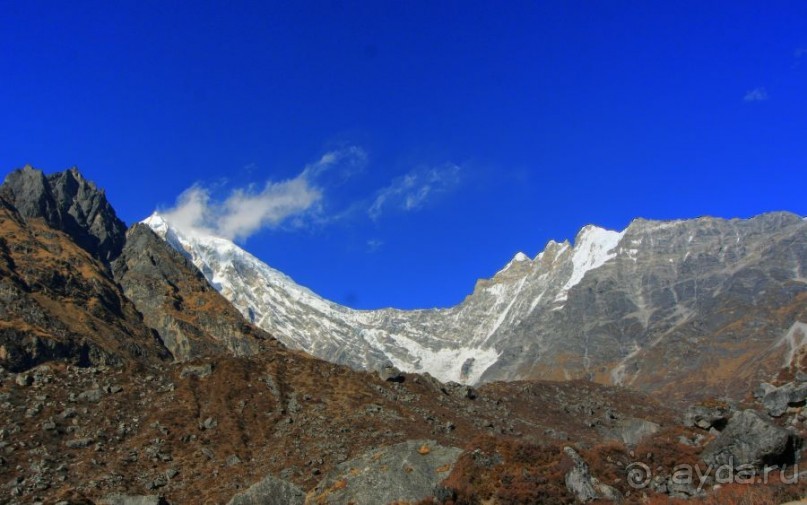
389 373
270 491
583 485
777 400
409 471
706 417
750 439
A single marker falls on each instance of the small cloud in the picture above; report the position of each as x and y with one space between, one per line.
374 245
351 160
249 209
245 210
411 191
756 95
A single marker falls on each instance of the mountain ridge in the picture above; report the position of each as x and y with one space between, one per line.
507 315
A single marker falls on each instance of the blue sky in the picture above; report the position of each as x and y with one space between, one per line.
391 153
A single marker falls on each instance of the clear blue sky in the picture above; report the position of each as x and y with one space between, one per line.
459 132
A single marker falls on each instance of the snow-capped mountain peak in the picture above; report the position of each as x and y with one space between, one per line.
535 317
456 344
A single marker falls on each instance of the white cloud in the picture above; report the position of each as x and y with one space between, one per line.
373 245
756 95
300 202
351 160
249 209
413 190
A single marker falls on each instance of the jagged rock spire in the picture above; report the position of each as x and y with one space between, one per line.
70 203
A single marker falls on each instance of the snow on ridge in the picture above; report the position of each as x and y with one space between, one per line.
520 257
221 249
306 321
593 247
445 364
433 341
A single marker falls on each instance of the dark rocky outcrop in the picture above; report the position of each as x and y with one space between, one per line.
750 439
777 399
707 417
191 317
388 372
68 202
58 303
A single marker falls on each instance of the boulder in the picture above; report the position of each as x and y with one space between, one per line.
91 395
763 389
24 379
706 417
457 390
270 491
388 372
408 472
750 439
777 400
583 485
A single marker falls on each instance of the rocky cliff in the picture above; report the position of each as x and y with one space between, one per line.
191 318
69 203
58 303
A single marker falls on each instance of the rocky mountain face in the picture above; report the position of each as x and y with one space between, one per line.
191 318
65 297
58 303
674 306
69 203
681 307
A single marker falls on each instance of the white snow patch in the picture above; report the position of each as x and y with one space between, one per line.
518 258
536 301
444 364
794 339
592 249
503 315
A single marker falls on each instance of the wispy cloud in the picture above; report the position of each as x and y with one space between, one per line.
322 194
756 95
351 160
413 190
249 209
373 245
